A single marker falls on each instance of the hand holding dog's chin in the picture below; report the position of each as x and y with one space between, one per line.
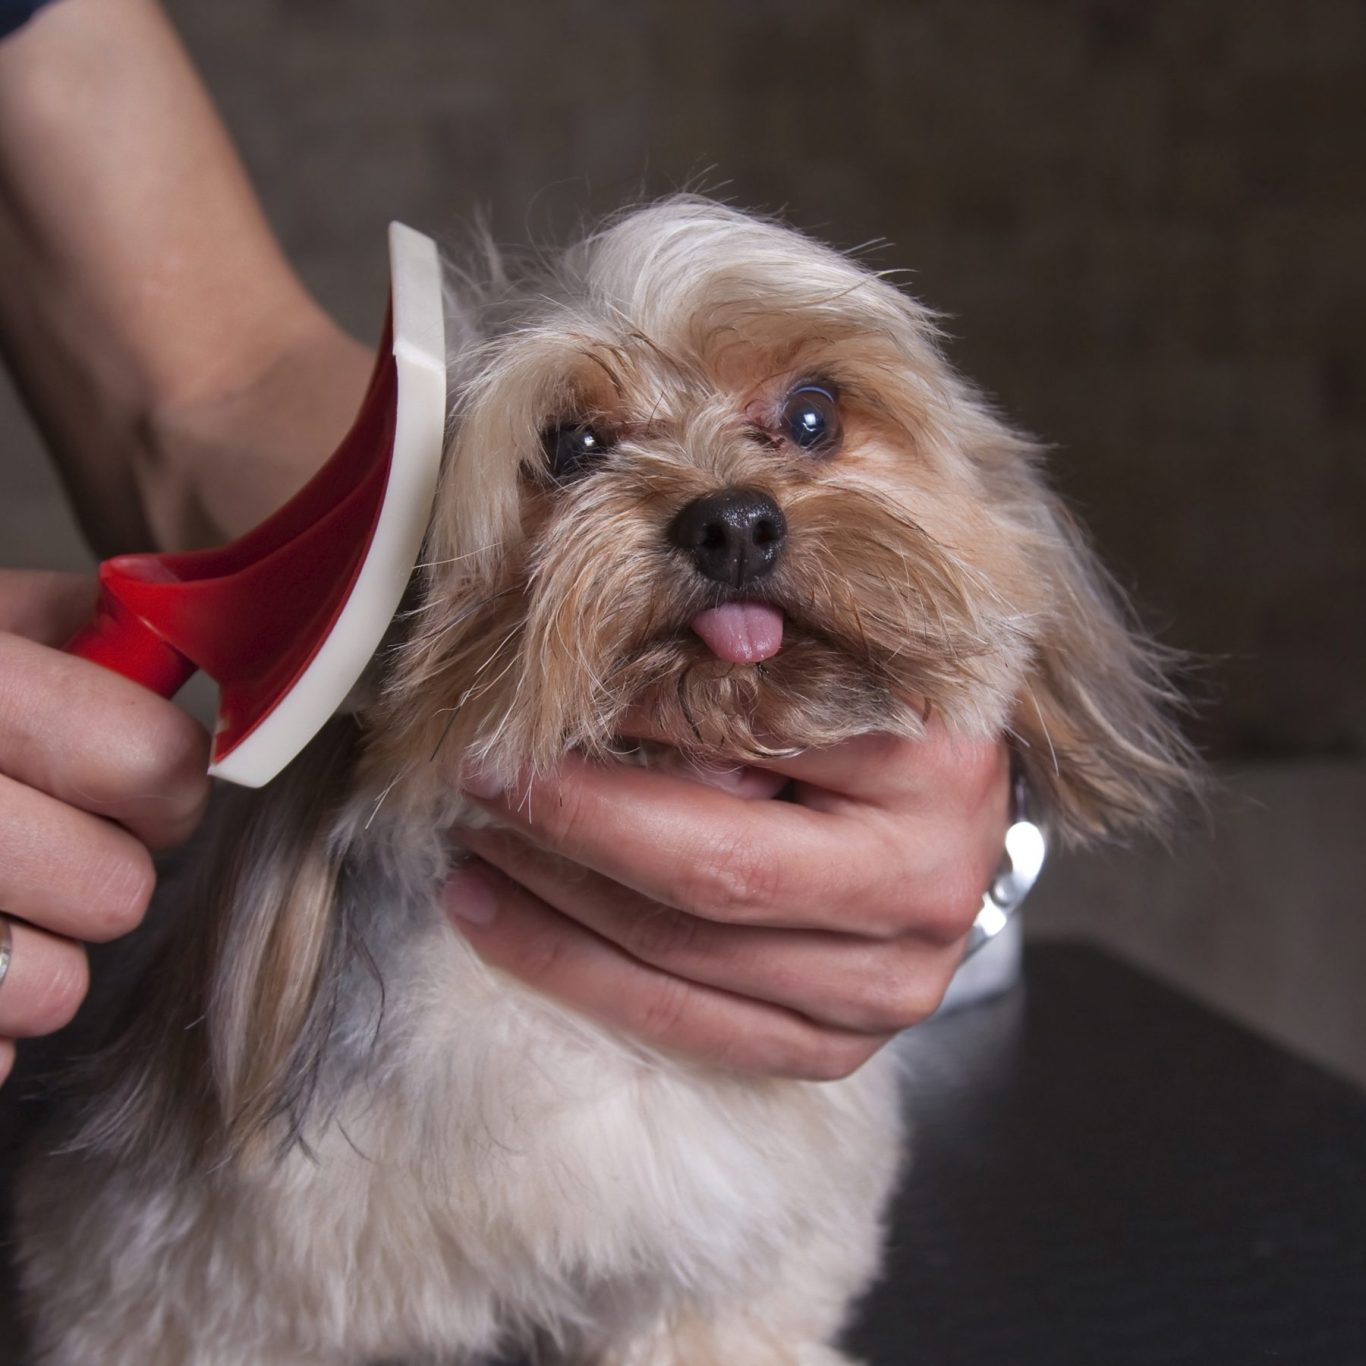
787 939
94 770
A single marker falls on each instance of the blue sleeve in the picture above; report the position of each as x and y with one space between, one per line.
14 13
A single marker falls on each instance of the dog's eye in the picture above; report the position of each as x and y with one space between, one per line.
572 447
811 419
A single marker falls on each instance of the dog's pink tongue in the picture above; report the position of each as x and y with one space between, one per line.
742 632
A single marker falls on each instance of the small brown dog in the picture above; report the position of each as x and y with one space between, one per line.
702 466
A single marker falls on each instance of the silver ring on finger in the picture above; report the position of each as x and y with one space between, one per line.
6 946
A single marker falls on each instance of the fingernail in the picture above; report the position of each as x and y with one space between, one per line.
469 896
483 785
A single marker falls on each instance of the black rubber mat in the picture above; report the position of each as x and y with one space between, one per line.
1108 1175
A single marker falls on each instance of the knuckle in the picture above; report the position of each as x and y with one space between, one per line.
539 954
796 1051
662 1008
171 761
885 911
900 1001
833 1058
887 996
145 764
738 880
663 935
948 913
560 820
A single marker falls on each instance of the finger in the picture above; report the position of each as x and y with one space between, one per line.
516 932
877 767
839 980
775 864
92 739
46 982
888 771
46 606
948 797
69 871
707 852
6 1059
740 780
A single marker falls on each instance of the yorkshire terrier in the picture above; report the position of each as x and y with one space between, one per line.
700 468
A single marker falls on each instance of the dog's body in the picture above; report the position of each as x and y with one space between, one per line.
488 1168
333 1136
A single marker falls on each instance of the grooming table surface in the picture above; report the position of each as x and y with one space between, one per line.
1108 1175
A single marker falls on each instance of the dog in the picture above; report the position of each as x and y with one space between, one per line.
702 468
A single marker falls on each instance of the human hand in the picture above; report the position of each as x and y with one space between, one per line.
780 938
94 772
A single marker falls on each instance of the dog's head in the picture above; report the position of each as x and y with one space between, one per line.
708 470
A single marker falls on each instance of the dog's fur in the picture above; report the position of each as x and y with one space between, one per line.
331 1134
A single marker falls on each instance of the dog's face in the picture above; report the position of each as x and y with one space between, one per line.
707 472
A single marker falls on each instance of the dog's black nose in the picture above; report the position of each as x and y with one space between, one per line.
733 536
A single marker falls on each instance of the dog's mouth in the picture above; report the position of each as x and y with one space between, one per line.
741 632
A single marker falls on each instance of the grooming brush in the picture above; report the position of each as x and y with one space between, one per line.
285 618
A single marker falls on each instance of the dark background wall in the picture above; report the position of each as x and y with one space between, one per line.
1146 220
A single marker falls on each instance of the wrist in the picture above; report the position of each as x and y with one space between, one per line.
219 453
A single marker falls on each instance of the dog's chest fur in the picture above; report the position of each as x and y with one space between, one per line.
479 1169
506 1164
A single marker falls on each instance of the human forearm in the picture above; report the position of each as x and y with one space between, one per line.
183 378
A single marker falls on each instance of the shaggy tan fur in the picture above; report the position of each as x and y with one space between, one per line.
332 1135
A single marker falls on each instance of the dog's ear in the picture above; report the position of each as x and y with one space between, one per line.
221 1052
1094 723
275 917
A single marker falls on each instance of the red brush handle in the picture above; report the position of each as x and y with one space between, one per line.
117 638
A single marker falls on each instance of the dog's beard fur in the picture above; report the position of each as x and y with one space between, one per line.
926 571
589 627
